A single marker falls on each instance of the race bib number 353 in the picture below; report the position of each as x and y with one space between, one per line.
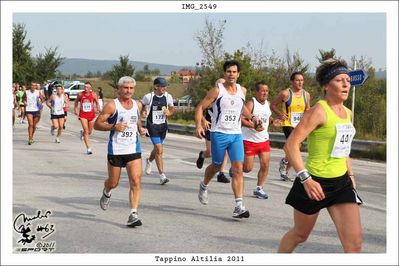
343 140
230 118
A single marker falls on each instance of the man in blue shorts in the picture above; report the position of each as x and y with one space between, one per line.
227 101
159 105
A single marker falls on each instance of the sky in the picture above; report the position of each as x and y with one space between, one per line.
169 38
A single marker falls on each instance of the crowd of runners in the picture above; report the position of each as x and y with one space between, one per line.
234 129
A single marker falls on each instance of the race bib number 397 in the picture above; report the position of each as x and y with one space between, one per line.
343 140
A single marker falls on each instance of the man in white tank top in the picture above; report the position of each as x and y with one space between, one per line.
32 99
56 103
121 118
228 106
256 136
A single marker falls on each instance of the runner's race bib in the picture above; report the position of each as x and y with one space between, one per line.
295 118
158 117
264 118
59 110
86 107
343 140
230 118
129 135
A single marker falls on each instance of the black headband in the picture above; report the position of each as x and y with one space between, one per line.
334 72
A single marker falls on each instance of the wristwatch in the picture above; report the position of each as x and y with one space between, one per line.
304 175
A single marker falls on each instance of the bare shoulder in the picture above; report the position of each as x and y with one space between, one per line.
316 114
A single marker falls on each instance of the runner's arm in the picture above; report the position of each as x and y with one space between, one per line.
101 122
75 106
245 122
280 98
199 110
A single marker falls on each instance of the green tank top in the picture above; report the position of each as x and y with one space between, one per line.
323 144
19 95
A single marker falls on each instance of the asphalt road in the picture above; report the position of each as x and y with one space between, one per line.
62 179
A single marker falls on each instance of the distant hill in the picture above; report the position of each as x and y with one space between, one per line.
81 66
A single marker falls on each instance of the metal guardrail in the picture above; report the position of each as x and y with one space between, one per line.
360 148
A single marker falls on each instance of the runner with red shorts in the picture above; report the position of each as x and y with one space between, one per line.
86 99
256 136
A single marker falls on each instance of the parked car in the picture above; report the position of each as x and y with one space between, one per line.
73 89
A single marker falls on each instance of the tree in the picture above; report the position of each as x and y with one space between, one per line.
22 60
324 55
295 63
175 78
146 70
123 69
46 64
210 41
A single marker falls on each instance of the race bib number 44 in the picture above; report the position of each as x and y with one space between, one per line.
343 140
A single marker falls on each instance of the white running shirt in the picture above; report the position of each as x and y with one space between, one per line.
58 107
263 112
126 142
32 99
227 109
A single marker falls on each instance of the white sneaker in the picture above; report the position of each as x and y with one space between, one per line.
57 140
203 194
147 166
163 179
89 151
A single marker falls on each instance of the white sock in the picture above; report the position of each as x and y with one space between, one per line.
133 210
108 194
238 202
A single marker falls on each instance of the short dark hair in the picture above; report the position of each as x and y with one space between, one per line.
88 82
230 63
294 74
257 85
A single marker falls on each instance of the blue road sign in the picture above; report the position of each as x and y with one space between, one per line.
358 77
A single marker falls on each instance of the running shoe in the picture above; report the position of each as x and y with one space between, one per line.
222 178
203 194
260 193
284 178
57 140
163 179
104 201
147 166
30 142
133 220
89 151
52 130
81 134
283 167
200 160
240 212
